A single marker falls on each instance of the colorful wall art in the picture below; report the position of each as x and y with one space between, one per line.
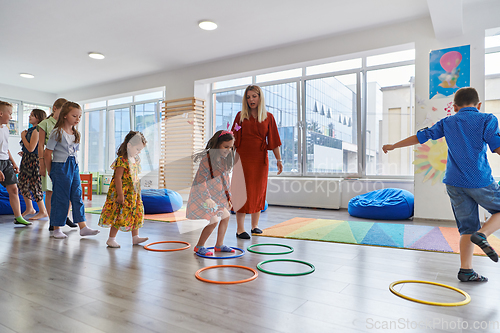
449 70
431 160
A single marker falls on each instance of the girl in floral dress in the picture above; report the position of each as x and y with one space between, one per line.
209 198
30 182
123 209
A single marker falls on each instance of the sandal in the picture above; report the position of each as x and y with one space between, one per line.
256 231
243 235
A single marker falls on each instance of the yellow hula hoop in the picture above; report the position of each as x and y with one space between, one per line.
465 301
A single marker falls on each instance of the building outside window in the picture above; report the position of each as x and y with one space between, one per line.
333 117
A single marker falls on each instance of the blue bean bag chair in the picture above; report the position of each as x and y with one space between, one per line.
161 201
5 208
385 204
262 211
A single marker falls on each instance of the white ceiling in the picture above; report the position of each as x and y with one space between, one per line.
51 38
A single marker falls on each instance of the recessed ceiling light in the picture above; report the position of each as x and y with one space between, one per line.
27 76
95 55
207 25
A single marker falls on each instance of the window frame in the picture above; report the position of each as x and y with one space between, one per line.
110 153
20 113
361 107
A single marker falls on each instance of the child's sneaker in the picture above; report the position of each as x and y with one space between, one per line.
224 248
479 239
203 251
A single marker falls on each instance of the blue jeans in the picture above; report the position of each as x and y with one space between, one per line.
66 187
465 201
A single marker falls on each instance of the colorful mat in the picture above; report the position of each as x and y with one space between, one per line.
179 215
415 237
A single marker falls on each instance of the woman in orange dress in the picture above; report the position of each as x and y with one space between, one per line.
255 133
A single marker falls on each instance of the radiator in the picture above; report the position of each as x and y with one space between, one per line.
304 192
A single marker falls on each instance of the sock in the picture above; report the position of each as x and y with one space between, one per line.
223 248
59 234
86 231
468 275
136 239
21 220
480 240
111 242
203 251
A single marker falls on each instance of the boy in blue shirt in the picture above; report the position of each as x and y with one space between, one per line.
468 178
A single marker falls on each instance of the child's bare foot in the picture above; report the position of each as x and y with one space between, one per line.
39 216
28 212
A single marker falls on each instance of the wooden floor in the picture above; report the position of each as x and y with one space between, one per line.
79 285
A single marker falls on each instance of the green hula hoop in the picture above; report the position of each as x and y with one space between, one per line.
259 267
249 249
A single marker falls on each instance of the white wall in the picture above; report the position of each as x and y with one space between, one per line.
432 201
27 95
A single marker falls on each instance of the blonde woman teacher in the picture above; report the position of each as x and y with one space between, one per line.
255 133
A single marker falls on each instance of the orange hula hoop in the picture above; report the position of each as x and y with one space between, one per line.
147 247
255 274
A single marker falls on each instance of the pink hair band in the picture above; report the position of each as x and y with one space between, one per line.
225 132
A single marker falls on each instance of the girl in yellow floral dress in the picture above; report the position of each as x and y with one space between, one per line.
123 209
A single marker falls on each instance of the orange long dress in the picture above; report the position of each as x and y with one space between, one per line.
249 181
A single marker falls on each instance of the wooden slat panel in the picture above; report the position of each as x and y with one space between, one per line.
180 139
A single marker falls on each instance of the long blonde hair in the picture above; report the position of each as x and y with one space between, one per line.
261 108
57 105
66 108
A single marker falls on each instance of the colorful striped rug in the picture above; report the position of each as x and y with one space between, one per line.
179 215
405 236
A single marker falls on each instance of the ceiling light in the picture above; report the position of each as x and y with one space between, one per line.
207 25
27 76
95 55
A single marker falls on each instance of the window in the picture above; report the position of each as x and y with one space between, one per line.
243 81
158 95
27 108
94 105
146 121
390 118
226 104
319 114
491 103
281 101
119 101
331 131
13 123
492 63
334 67
121 125
279 75
95 147
105 128
392 57
20 115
